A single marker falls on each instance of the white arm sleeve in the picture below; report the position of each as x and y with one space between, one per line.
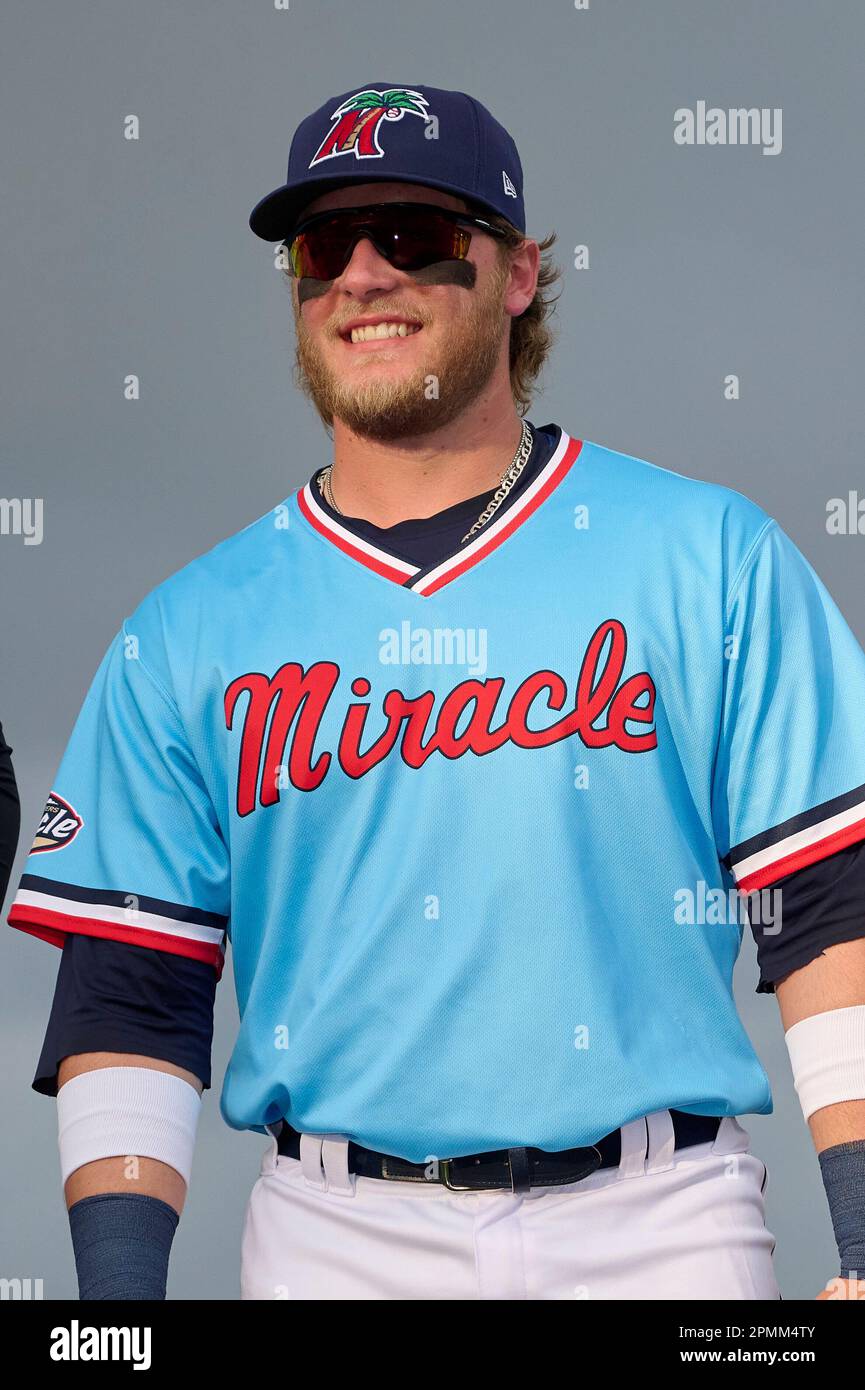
127 1110
827 1053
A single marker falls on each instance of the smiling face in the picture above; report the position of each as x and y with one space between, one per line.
395 353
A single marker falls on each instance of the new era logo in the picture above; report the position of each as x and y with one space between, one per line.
510 191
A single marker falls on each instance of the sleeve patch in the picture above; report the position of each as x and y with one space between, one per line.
58 827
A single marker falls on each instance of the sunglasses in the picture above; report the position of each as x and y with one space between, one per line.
409 235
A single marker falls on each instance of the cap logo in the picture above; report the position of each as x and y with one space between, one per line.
358 120
508 186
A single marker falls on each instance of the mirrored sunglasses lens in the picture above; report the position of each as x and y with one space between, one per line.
409 240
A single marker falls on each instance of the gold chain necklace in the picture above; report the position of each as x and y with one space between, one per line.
508 478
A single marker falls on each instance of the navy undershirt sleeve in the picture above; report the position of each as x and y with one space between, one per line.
820 906
112 997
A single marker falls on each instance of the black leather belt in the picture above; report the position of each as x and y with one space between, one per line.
510 1170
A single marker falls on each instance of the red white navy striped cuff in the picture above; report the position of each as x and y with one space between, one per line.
794 844
51 910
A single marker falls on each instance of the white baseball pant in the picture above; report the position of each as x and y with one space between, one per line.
664 1224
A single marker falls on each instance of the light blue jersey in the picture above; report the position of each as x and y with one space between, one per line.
472 831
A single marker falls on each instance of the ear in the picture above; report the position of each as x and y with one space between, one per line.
525 264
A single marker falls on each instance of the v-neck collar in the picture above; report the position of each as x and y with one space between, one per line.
428 580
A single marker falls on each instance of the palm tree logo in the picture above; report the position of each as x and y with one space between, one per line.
358 120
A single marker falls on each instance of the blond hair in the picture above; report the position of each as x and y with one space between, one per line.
532 337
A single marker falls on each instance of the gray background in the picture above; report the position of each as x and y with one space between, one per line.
123 257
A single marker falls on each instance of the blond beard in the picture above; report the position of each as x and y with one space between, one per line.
390 410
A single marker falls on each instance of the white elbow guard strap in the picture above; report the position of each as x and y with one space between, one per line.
127 1110
827 1053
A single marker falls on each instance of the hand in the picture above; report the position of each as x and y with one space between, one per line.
840 1290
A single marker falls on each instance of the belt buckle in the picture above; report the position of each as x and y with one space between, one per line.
445 1174
446 1171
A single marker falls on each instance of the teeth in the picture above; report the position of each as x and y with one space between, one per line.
369 332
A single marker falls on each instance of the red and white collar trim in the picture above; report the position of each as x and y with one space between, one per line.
388 566
429 581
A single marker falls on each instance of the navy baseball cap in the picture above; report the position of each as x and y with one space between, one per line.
446 140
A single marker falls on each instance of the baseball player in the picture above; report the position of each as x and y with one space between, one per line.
473 748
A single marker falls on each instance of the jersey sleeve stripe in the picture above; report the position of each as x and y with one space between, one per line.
766 858
52 916
54 927
100 897
804 821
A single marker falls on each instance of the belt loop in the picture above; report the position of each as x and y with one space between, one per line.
334 1161
635 1141
732 1137
661 1154
310 1161
271 1156
518 1163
